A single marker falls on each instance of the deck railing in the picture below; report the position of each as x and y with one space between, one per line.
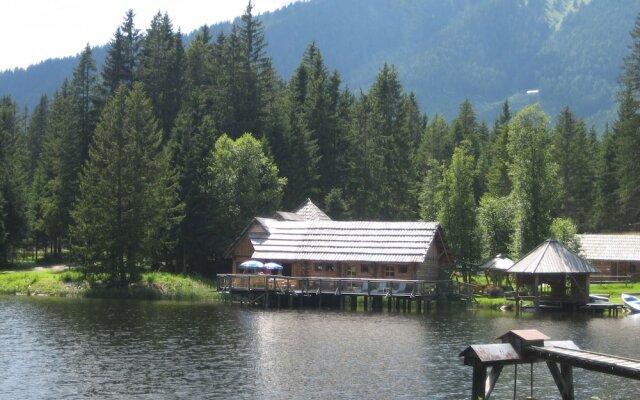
338 286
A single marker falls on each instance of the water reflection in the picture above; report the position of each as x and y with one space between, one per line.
54 348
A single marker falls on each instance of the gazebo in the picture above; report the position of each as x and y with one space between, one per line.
553 276
496 268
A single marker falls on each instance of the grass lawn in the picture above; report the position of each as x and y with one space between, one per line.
72 283
614 290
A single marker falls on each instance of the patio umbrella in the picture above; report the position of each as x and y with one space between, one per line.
251 264
273 266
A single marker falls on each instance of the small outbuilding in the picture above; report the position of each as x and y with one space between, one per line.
495 270
552 275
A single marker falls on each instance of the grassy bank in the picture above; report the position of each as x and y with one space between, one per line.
72 283
613 290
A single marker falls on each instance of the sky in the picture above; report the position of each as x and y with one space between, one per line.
35 30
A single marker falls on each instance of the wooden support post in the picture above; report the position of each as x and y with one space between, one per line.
389 303
419 305
479 382
491 380
409 305
366 303
563 377
341 302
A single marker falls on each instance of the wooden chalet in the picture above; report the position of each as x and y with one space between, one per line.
552 275
616 256
307 243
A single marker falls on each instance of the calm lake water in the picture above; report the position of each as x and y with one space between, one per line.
67 348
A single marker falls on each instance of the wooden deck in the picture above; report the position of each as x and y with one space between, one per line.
277 291
531 346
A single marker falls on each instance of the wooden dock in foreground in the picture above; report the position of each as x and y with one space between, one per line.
530 346
286 291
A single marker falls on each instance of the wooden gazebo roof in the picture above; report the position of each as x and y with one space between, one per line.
552 257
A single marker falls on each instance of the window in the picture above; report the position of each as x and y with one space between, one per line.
389 271
364 269
318 268
404 269
351 271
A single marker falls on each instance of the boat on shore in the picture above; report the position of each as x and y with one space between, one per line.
631 302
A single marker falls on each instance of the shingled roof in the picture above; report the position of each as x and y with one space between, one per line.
552 257
611 247
310 212
357 241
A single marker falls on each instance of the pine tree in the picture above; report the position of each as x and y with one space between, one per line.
121 61
574 154
35 134
128 203
13 213
58 169
161 70
191 145
627 138
86 98
498 182
606 214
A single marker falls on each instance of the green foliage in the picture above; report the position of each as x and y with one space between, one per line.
496 224
13 212
565 231
533 173
243 183
574 153
457 212
128 202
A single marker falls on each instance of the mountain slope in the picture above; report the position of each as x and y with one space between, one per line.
445 50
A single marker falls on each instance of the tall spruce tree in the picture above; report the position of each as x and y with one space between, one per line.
627 137
191 145
86 98
121 62
606 213
161 70
13 213
58 169
128 203
574 154
497 178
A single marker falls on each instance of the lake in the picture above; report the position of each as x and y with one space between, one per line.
52 348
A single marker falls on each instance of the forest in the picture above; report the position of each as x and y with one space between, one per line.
159 159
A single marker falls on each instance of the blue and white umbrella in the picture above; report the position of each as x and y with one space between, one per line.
251 265
273 266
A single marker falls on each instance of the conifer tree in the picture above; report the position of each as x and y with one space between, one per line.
35 134
574 155
58 169
13 213
128 204
191 145
606 213
497 178
627 138
161 70
86 98
121 61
